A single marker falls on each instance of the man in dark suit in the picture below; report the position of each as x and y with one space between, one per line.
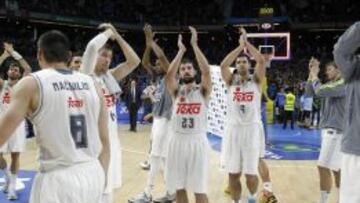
133 103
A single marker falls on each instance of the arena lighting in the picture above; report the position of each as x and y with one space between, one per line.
177 32
279 34
266 26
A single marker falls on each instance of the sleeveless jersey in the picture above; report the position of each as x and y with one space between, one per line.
110 101
66 119
5 101
190 111
244 102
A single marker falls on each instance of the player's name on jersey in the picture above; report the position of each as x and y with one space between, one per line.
70 86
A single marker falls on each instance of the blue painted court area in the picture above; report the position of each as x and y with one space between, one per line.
297 144
23 187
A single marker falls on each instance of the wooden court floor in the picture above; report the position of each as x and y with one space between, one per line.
293 181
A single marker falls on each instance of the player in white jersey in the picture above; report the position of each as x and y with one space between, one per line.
69 114
244 136
188 148
96 61
17 143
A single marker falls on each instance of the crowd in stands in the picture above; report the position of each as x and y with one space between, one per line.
215 44
169 12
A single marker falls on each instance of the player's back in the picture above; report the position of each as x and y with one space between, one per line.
66 120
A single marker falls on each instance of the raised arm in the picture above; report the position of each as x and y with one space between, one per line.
146 56
203 64
330 89
4 56
132 59
92 49
23 63
229 59
313 74
344 52
150 43
260 69
161 56
170 78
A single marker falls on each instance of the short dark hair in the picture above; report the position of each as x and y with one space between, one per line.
76 53
188 60
55 46
289 89
107 46
244 55
331 63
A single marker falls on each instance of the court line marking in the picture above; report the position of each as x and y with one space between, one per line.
270 165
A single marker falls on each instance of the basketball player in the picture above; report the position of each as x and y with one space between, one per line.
267 193
16 144
348 62
75 62
187 159
162 110
332 110
96 61
244 135
69 114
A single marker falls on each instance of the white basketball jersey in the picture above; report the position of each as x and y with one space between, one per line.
244 102
4 105
110 101
190 111
66 120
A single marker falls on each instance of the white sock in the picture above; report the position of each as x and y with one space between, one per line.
7 175
12 185
7 172
337 191
324 195
267 186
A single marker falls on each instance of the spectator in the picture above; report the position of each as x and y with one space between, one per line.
307 109
279 105
133 103
289 108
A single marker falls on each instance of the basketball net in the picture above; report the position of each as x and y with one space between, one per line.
268 57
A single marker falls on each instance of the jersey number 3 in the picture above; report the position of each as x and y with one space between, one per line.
78 130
